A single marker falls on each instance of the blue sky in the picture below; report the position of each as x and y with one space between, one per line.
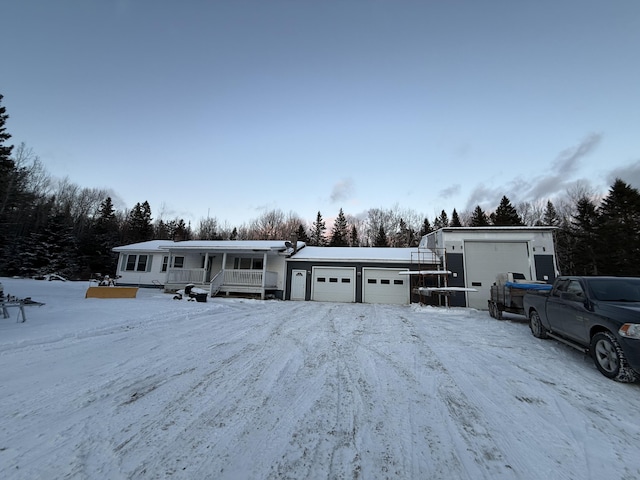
230 108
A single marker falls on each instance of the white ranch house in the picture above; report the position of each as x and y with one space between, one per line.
224 266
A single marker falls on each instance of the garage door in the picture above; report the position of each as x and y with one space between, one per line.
334 284
385 285
483 262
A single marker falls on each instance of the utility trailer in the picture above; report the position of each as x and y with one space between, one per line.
508 292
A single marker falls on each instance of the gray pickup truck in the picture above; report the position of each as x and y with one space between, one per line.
599 315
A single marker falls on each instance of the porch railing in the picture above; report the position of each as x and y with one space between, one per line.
186 275
245 278
251 278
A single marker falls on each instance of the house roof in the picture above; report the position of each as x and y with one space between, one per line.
150 246
208 245
356 254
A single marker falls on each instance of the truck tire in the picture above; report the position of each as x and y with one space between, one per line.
535 324
610 359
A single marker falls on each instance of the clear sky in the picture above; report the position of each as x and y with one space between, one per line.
229 108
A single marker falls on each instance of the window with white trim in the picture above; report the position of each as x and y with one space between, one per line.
137 263
247 263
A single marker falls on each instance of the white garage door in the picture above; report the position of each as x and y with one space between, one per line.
334 284
385 285
485 260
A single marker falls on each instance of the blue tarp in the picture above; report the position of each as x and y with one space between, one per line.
529 286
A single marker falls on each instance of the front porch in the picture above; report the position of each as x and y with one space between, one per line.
226 281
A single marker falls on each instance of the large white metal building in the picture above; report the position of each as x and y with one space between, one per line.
476 255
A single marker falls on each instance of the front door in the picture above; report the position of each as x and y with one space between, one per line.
298 284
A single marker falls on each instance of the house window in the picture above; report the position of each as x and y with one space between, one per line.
346 280
372 280
385 281
398 282
333 280
131 263
165 263
321 279
247 263
142 263
178 262
138 263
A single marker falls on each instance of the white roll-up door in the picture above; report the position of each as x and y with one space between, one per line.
485 260
334 284
385 285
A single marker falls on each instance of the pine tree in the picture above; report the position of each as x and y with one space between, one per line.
585 239
405 237
339 232
354 239
479 218
550 217
5 150
455 219
7 178
618 231
381 238
53 249
97 244
138 224
317 233
506 214
234 234
426 227
301 234
442 221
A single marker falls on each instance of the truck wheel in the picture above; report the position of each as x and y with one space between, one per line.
610 359
535 324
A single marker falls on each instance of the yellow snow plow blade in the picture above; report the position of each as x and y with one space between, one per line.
111 292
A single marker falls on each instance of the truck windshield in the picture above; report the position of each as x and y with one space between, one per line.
616 289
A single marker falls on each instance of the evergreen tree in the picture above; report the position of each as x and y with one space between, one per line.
138 224
618 229
354 239
5 150
585 239
180 232
550 217
455 219
406 236
301 234
339 232
234 234
506 214
442 221
479 218
51 250
8 174
97 243
381 238
426 227
317 233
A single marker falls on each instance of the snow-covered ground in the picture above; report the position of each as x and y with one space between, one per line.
244 389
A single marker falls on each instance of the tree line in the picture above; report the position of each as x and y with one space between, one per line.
55 226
